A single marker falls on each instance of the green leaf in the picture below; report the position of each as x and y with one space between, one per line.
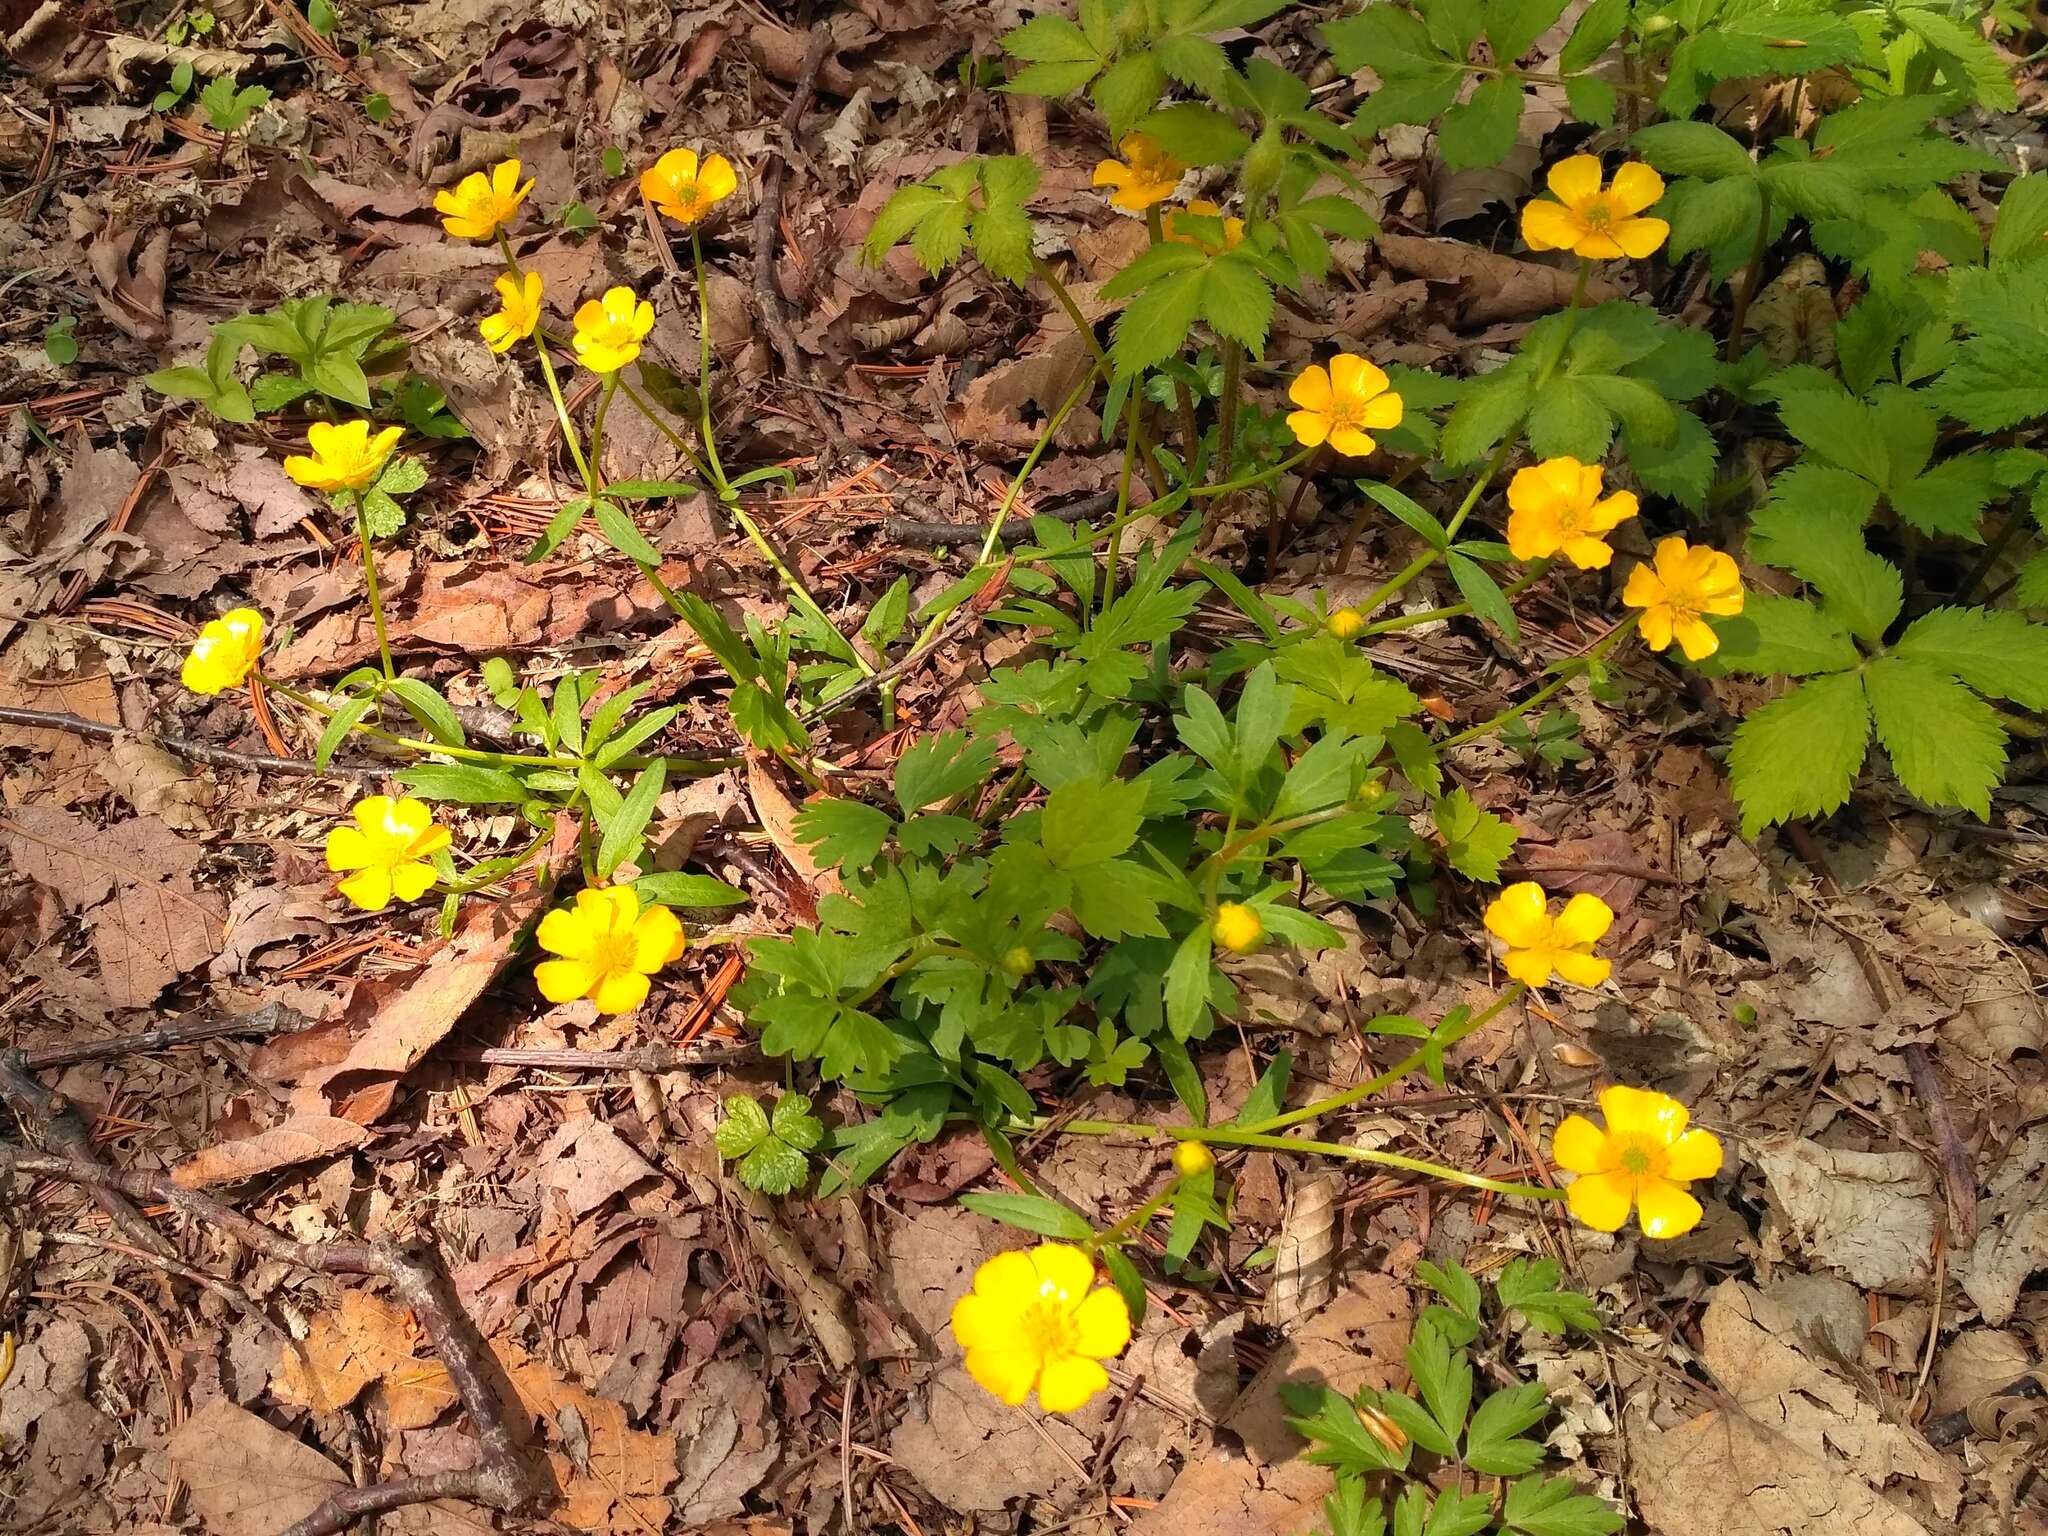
1127 90
464 784
633 735
1480 590
1237 301
1512 26
1049 39
1453 25
1949 498
1392 42
1713 214
1187 984
1321 777
845 833
1591 100
1826 418
1031 1213
1091 821
622 833
2022 221
1195 134
1784 637
1155 325
623 534
1800 531
1123 1274
1553 1506
1986 68
1491 1445
339 724
1598 26
1348 1512
1530 1287
1692 149
1337 1438
1452 1281
1411 512
1443 1377
424 703
1996 651
674 888
940 766
1799 755
1418 1424
1475 840
1481 130
743 1127
1569 419
1945 743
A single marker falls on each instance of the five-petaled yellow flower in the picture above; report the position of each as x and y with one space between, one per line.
1201 235
1031 1321
479 205
1147 174
1342 405
1556 508
388 848
1593 223
1687 582
608 949
225 652
345 456
1644 1159
609 330
1539 944
1238 928
679 186
518 313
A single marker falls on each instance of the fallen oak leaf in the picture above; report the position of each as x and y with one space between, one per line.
617 1477
360 1344
300 1139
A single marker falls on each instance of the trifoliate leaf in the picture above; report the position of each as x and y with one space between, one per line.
1475 840
1945 743
1553 1506
1530 1287
1492 1445
1799 755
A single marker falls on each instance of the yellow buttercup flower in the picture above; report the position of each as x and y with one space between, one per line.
1190 234
1345 623
1539 944
1593 223
1147 174
225 652
388 848
1031 1322
518 314
679 186
479 205
609 330
1686 582
345 456
1556 508
1342 404
1238 928
1642 1160
608 949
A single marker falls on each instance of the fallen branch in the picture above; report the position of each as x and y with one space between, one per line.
504 1478
645 1058
270 1019
52 1115
191 751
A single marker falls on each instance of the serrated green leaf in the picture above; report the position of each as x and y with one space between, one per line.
1475 840
1784 637
846 833
1591 100
1512 26
1799 754
1692 149
1127 90
1491 1443
743 1127
1997 652
1196 135
1945 743
1481 130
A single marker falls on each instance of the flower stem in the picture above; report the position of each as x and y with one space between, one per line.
375 593
681 444
725 492
1103 366
1110 1237
1577 666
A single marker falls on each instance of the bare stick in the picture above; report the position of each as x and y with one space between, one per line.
504 1478
60 1125
270 1019
645 1058
191 751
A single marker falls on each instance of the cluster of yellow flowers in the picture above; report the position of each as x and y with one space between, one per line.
1148 176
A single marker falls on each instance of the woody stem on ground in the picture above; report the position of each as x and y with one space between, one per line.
1576 667
376 596
1752 277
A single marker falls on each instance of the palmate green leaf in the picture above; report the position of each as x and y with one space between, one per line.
1996 651
1448 1513
1530 1287
1337 1438
1492 1443
1454 1283
1090 821
1475 840
1348 1512
1553 1506
1417 1423
845 833
1443 1378
1784 637
1484 414
1799 755
743 1126
1481 130
1693 149
1945 743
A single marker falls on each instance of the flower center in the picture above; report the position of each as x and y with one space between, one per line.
1047 1328
1640 1157
612 953
1597 213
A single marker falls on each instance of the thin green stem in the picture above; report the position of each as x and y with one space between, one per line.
375 594
1104 368
604 405
704 369
569 433
1513 589
1110 1236
1123 501
416 744
1226 1137
681 444
1576 667
1250 477
1226 406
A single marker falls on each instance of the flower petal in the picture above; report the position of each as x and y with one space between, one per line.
1695 1155
1665 1210
563 981
1644 587
1578 1145
1657 625
1311 389
1531 967
1581 969
369 888
1351 442
1009 1280
716 180
1634 188
1382 412
1610 512
1063 1269
409 882
1575 180
1601 1200
1588 553
1006 1374
1533 535
565 933
1638 238
657 939
1068 1382
1548 226
1584 920
1310 428
1518 916
1633 1111
979 1323
1102 1324
1696 638
1595 246
620 992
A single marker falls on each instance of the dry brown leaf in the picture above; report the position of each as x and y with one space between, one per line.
1490 286
247 1478
1304 1271
619 1478
1871 1215
589 1162
156 784
772 808
360 1344
300 1139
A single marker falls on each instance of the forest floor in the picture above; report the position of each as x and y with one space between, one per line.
1857 1010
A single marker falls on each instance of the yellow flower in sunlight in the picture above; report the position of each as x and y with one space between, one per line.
1556 508
1345 623
1644 1159
608 949
1342 405
479 205
609 330
225 652
345 456
518 313
388 849
1147 174
1193 234
685 190
1539 944
1191 1158
1686 582
1593 223
1238 928
1031 1321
